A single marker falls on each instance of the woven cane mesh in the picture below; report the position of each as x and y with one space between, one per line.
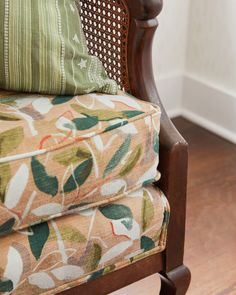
106 24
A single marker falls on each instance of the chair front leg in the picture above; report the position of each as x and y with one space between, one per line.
173 166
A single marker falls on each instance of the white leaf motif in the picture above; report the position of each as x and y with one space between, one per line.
99 98
127 128
148 121
16 186
151 173
99 143
68 272
48 209
65 124
42 105
136 194
14 268
25 101
131 102
115 251
119 228
41 280
112 187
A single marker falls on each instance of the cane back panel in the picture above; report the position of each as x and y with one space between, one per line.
106 26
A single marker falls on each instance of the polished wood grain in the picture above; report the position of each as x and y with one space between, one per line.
210 248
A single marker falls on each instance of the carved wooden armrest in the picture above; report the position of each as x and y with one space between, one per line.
143 24
173 148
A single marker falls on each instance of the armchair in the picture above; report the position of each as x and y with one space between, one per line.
120 33
79 211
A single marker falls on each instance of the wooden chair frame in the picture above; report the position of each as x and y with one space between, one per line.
136 66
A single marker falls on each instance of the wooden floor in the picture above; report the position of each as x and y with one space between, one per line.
211 216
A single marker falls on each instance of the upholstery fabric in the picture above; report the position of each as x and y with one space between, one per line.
62 153
70 250
43 49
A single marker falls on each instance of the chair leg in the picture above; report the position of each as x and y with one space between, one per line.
175 282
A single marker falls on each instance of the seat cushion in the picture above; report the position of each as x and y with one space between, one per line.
60 153
70 250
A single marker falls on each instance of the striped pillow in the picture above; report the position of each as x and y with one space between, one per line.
43 50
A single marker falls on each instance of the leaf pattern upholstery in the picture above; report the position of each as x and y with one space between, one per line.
59 154
67 251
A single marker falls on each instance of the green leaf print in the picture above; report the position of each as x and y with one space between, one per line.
6 285
118 156
132 161
5 176
128 223
131 114
80 174
147 211
68 233
92 257
95 275
166 217
10 140
44 182
101 114
61 99
85 123
116 211
106 114
6 227
156 142
115 126
146 243
71 156
8 117
38 239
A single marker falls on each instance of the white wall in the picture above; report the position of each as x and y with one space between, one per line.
195 62
211 46
169 50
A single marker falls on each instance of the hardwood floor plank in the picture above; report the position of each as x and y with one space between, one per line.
210 249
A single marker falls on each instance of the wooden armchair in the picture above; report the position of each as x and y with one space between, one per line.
120 33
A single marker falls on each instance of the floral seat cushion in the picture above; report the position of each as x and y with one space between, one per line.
62 253
63 153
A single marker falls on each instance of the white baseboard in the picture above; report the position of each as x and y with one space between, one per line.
175 112
209 125
200 102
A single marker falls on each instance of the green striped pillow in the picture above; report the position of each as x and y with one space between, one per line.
43 49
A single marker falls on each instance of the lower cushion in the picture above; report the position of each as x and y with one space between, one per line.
65 252
60 153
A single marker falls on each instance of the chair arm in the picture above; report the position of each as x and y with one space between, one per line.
173 148
173 167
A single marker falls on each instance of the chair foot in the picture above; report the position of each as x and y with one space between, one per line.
175 282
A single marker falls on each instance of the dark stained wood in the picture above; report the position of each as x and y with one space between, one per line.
173 161
210 249
173 148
